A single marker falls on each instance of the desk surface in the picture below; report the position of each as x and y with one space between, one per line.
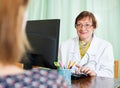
95 82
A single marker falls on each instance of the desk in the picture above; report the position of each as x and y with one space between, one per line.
95 82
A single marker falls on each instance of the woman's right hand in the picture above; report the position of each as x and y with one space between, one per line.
85 70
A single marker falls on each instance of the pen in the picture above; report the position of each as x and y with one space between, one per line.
69 64
72 64
61 64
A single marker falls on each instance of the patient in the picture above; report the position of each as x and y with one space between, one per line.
13 44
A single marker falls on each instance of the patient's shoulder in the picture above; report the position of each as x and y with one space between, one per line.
36 78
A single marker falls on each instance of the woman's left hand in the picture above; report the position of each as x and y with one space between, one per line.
85 70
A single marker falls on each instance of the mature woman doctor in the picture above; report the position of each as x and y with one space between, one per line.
93 56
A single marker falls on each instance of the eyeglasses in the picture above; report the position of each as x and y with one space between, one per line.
84 25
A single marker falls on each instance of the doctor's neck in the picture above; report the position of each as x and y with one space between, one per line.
86 40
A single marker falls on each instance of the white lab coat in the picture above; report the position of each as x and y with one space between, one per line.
99 56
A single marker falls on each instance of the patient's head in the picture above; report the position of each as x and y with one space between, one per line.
13 41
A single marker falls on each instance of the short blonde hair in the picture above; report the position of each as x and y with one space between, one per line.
13 41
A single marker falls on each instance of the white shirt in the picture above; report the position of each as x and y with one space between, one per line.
99 56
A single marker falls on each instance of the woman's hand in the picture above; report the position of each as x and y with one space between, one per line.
85 70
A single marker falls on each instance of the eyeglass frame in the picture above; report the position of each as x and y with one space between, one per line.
83 25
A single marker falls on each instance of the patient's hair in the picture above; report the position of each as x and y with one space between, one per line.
13 41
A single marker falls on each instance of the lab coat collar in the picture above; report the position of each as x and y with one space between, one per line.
92 49
91 52
74 51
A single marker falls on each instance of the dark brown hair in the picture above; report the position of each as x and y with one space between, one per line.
86 14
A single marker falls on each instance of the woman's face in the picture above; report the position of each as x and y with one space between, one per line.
85 28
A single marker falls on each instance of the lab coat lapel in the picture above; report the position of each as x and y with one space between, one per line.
74 54
92 49
90 54
84 60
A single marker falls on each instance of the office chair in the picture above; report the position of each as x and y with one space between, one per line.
116 69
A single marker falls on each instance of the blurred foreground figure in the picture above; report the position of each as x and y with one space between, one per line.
13 45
